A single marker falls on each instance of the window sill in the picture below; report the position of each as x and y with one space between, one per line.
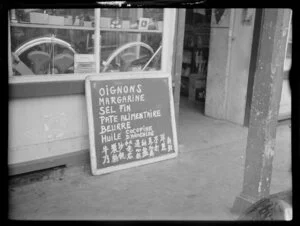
54 85
40 86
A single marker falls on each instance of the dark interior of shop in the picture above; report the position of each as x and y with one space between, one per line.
195 57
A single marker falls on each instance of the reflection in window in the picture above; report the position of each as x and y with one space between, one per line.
45 41
288 54
61 41
131 39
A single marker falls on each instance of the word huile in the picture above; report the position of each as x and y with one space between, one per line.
110 137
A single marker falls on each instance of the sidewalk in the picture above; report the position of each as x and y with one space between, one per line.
200 184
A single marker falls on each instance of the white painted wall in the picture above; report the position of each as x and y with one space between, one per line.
228 67
46 127
285 101
241 46
217 73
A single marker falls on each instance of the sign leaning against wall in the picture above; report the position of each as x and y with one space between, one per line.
131 120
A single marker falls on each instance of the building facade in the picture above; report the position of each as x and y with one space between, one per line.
51 51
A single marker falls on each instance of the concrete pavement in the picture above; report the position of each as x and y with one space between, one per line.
200 184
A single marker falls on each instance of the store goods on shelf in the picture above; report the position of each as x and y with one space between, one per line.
196 88
160 25
56 20
105 22
87 23
126 24
68 20
39 18
116 23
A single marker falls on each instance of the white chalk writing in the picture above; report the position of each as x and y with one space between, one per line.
121 139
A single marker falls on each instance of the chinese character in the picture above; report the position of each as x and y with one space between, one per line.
156 148
138 155
150 142
114 148
170 147
156 139
120 146
121 155
137 144
145 152
151 148
129 148
151 152
129 155
115 158
163 147
144 142
105 157
162 137
138 150
169 141
128 142
105 149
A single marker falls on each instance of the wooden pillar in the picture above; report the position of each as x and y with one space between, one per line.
177 60
267 85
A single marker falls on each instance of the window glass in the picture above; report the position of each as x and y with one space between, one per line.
47 41
62 41
131 39
288 56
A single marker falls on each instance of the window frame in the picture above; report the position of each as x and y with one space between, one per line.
289 42
31 86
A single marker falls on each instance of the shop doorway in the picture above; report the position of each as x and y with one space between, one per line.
195 59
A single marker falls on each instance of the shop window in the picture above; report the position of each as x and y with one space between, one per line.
68 41
131 39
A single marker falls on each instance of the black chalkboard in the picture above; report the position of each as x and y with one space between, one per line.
131 120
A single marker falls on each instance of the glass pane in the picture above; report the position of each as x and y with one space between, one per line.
52 41
288 57
131 39
290 38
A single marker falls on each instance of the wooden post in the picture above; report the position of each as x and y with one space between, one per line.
177 60
267 85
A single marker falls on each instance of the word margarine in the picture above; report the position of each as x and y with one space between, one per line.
129 94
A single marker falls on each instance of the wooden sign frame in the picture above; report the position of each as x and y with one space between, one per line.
127 76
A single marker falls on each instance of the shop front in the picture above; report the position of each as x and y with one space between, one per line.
51 51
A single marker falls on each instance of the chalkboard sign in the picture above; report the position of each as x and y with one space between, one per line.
131 120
